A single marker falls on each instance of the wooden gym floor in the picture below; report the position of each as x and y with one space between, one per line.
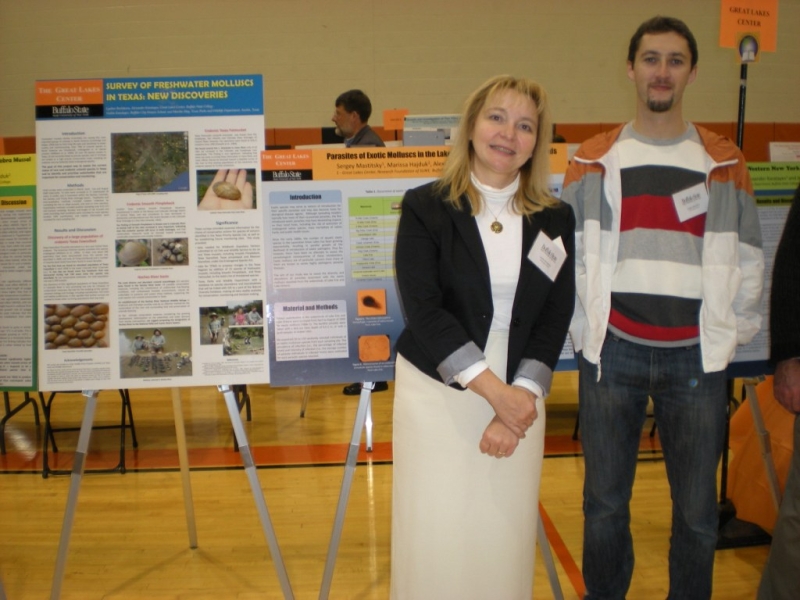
130 540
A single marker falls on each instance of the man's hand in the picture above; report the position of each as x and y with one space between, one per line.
787 384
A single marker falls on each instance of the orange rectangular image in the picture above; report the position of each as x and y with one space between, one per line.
279 160
69 92
374 348
371 303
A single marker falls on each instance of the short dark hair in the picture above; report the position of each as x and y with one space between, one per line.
356 101
661 24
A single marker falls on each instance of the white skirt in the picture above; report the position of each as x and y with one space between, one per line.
463 523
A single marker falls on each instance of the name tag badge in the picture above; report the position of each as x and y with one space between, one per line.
549 255
691 202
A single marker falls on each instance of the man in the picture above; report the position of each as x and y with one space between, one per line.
353 110
214 327
781 578
139 344
669 273
253 317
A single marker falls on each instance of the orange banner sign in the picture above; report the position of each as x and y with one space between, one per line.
738 17
393 119
69 92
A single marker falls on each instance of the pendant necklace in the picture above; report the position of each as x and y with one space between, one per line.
496 226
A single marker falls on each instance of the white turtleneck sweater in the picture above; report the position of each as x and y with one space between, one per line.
503 251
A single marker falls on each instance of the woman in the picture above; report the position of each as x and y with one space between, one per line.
486 309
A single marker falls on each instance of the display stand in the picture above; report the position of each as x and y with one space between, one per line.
255 486
247 458
183 460
734 532
126 422
763 441
306 395
547 559
347 482
368 421
742 99
74 488
10 412
242 402
364 417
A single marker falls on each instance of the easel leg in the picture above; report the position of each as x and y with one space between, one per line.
306 394
764 443
547 558
183 459
255 486
74 489
368 425
347 481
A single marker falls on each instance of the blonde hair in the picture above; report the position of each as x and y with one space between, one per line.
533 194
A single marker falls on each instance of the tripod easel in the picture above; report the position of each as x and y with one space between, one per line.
247 459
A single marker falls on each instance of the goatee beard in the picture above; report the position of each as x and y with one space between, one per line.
659 106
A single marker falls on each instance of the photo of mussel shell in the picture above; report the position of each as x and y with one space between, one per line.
133 253
75 326
170 252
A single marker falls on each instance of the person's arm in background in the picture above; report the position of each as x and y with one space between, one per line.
785 312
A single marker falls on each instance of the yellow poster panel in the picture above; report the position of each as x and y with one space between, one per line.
17 170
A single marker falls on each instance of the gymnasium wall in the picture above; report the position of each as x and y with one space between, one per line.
424 55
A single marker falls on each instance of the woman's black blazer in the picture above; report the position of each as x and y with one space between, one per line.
444 286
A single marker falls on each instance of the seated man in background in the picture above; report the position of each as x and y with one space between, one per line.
353 110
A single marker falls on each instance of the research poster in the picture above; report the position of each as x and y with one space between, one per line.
334 314
17 260
774 184
151 270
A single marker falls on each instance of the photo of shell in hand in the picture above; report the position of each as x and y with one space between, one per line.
226 189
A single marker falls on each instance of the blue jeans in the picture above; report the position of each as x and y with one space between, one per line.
690 410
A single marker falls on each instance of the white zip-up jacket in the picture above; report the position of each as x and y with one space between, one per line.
732 258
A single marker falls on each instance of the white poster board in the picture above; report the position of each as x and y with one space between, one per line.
143 260
17 259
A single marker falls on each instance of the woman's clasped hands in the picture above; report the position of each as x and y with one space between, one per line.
515 412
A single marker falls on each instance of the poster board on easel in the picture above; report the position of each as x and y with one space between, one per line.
148 212
149 248
17 260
